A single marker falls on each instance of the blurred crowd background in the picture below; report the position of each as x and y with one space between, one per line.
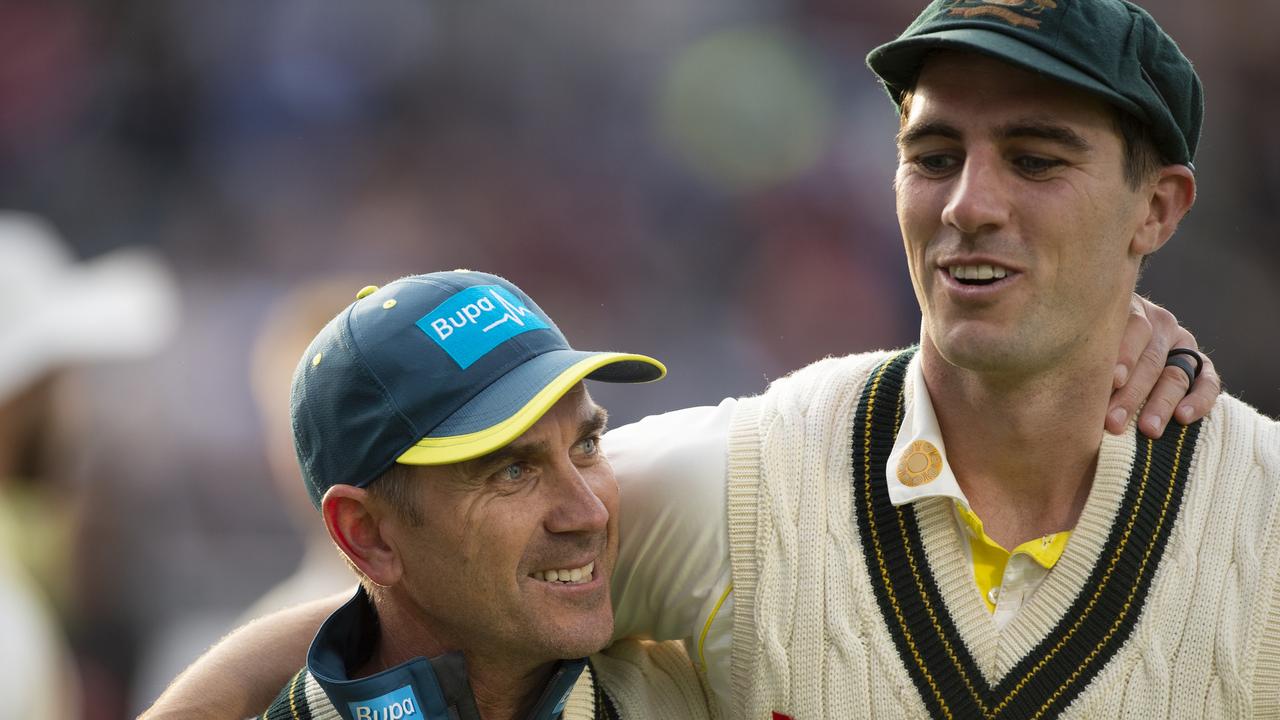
708 182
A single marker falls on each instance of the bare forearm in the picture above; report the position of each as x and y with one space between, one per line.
241 675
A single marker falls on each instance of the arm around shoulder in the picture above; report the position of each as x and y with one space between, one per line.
239 676
673 551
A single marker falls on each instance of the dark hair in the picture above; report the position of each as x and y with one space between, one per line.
1142 159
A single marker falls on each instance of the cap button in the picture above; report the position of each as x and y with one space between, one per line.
366 291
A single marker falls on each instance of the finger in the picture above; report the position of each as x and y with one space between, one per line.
1184 363
1204 393
1170 390
1146 372
1168 394
1137 334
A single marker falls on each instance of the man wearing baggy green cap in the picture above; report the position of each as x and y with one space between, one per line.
947 531
983 549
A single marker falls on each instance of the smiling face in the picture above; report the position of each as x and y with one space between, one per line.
1016 217
513 556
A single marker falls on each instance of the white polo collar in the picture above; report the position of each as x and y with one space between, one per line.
918 451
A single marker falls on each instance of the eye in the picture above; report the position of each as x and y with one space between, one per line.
589 446
511 473
1035 165
936 164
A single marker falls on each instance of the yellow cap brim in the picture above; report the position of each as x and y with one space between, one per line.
459 448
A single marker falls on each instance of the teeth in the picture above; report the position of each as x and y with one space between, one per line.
568 576
977 272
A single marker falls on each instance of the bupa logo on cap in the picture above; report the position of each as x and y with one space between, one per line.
476 320
1019 13
399 704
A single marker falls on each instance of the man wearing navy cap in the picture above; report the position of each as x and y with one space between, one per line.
445 434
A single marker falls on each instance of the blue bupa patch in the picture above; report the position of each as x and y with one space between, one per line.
476 320
400 704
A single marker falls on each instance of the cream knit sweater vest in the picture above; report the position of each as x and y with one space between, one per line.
811 641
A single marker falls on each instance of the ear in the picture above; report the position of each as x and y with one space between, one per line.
1171 195
360 532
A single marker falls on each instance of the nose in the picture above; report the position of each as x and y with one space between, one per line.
979 199
577 506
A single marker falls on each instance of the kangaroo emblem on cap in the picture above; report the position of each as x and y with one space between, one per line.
1014 12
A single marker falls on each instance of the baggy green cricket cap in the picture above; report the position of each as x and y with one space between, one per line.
434 369
1112 48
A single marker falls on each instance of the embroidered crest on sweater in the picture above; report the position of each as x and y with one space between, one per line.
1096 625
920 465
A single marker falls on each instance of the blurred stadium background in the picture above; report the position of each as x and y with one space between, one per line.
707 182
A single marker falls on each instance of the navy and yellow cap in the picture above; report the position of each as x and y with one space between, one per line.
432 370
1111 48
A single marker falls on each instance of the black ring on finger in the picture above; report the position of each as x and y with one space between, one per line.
1178 358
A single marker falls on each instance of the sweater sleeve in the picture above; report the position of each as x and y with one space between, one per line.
1267 664
673 557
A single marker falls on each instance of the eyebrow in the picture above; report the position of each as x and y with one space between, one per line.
919 131
1059 134
595 423
517 450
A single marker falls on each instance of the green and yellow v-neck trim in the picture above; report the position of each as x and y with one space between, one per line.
1072 642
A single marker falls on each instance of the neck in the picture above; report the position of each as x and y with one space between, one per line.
506 693
504 688
1023 448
